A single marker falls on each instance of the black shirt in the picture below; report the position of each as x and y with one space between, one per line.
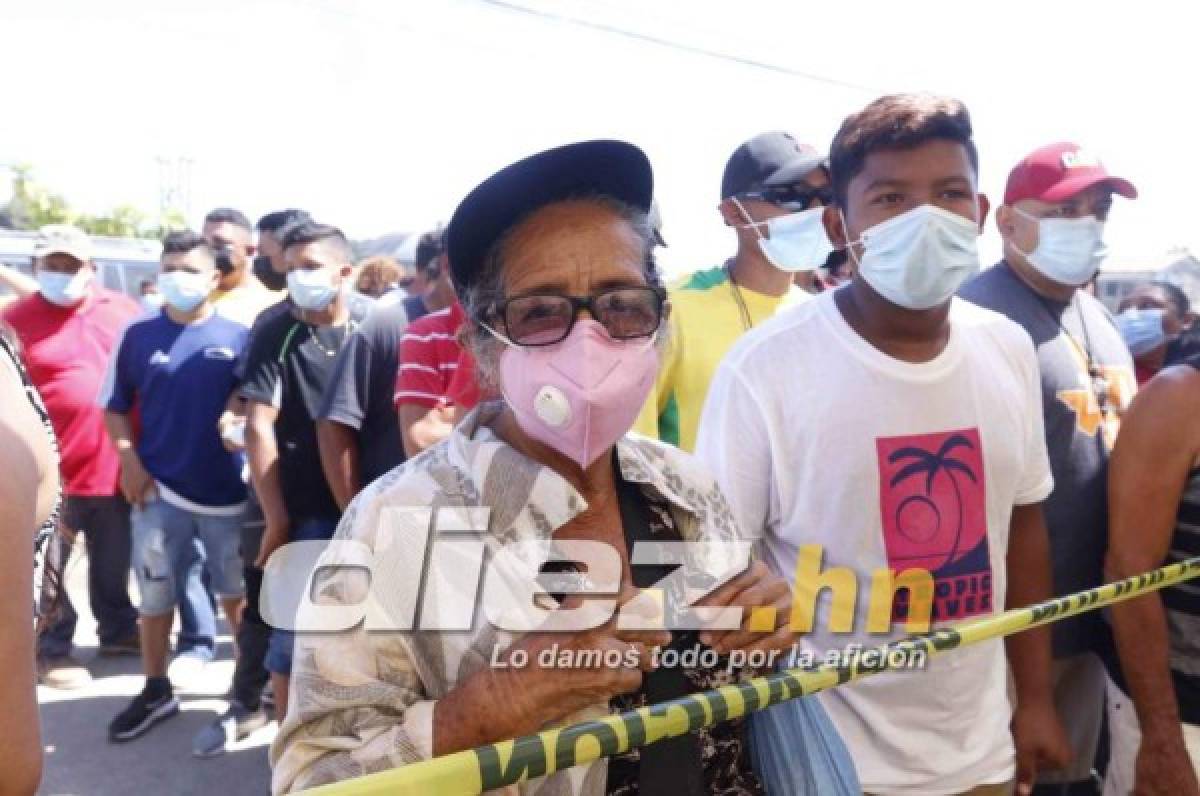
288 365
360 393
283 307
1181 602
712 760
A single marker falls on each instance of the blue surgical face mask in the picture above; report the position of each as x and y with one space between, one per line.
184 290
1142 330
1069 250
311 289
795 242
152 302
920 258
65 290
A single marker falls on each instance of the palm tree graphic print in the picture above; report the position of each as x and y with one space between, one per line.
933 509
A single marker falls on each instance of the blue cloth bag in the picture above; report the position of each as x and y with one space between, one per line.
797 751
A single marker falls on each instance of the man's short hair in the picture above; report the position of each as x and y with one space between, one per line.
897 121
228 215
429 247
273 222
306 232
184 241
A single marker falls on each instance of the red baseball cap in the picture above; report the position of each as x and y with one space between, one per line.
1059 171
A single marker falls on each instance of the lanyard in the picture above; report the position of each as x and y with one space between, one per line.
1100 383
747 321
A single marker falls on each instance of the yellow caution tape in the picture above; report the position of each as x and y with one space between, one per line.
500 764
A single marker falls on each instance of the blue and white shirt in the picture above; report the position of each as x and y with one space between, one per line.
179 379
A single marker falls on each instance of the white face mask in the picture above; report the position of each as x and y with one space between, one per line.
184 290
65 290
311 289
918 259
1069 250
795 242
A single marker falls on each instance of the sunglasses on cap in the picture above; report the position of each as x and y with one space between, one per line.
792 197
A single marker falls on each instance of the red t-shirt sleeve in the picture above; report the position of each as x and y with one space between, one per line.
419 380
463 390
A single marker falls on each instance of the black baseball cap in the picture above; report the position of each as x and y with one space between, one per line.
767 160
613 169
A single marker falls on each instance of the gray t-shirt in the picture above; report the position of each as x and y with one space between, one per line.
1080 428
361 390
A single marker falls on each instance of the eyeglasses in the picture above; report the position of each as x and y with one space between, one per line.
539 319
793 197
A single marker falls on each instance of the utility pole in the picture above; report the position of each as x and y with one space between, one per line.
174 186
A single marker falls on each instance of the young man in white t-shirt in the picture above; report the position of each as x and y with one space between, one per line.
898 427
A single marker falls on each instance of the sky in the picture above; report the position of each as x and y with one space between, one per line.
379 115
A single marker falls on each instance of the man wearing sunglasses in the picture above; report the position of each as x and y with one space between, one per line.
772 195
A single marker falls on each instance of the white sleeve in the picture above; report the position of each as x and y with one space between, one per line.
734 443
1036 482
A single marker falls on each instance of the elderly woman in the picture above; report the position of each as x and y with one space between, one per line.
552 258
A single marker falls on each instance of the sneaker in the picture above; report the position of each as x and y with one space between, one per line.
130 645
186 670
236 724
63 672
143 713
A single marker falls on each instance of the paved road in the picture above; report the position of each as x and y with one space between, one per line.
80 760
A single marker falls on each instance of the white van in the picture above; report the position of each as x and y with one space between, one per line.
123 263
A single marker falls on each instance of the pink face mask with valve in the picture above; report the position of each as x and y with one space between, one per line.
581 395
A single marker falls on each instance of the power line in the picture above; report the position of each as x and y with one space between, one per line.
676 45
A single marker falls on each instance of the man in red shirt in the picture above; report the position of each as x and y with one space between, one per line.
67 331
429 397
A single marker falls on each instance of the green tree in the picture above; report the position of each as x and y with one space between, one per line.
32 204
125 221
170 221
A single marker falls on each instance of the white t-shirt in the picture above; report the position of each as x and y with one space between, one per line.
817 437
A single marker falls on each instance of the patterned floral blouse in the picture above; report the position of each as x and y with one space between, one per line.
363 702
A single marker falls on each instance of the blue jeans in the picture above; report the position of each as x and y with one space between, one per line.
279 648
197 610
171 547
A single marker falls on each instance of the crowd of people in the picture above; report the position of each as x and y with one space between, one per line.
849 390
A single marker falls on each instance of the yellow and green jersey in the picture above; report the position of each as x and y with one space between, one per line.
706 319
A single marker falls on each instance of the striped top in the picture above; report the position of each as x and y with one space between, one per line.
1182 601
429 354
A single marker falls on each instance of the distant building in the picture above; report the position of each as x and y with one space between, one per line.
400 245
1120 276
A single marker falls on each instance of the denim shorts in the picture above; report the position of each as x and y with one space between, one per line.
163 553
279 649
